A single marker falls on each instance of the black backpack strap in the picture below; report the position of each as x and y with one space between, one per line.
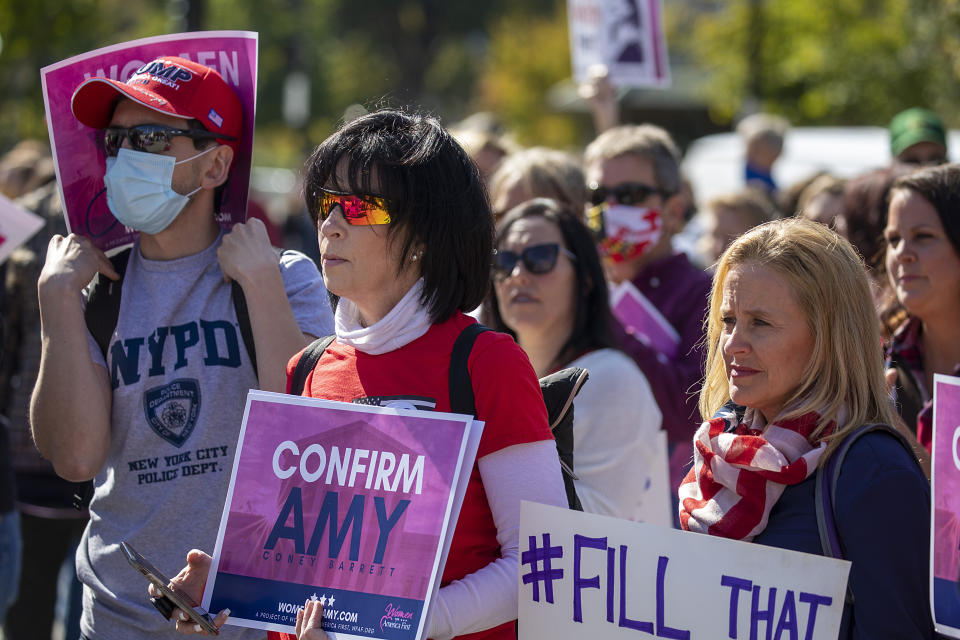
243 319
307 362
828 475
559 390
460 386
103 302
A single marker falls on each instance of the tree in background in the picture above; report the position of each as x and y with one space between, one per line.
528 54
841 62
838 62
40 32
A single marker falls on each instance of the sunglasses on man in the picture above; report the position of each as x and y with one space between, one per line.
626 193
152 138
357 210
537 259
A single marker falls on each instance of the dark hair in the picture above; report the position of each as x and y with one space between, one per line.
866 199
435 196
591 326
940 186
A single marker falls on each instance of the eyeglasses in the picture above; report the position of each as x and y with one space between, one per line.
152 138
628 193
537 259
357 210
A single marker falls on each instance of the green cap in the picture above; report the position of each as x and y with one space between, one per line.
915 125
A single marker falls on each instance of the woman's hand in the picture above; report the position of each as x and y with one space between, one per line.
310 622
190 582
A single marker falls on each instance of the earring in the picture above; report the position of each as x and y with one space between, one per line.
416 256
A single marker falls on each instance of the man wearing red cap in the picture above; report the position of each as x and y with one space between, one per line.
154 416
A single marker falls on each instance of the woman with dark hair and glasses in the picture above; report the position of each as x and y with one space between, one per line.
406 239
550 294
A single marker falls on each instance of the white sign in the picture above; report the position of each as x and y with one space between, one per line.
654 490
625 36
589 576
16 227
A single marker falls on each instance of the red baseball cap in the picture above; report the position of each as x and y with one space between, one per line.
168 84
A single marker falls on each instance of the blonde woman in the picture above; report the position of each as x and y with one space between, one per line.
538 172
795 365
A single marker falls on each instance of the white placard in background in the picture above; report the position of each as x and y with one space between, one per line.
625 36
589 576
16 227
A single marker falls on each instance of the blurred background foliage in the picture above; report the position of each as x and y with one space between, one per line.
829 62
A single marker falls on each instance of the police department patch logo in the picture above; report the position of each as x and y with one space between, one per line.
172 409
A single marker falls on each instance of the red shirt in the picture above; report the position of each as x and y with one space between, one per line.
508 400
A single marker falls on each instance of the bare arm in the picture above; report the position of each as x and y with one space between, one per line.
247 257
70 406
601 96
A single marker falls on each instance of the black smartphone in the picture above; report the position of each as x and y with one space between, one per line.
161 582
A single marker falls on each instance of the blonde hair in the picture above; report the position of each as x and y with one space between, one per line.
544 173
821 184
769 128
844 378
752 205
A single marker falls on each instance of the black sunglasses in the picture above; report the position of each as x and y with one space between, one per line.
152 138
627 193
538 258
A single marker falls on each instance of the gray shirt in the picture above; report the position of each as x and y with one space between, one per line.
180 374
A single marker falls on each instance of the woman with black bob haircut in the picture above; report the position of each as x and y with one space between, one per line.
549 293
437 201
406 235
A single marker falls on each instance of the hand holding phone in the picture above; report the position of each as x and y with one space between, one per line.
172 598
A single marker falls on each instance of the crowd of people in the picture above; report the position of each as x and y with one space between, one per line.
802 315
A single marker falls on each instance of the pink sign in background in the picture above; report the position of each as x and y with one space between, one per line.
640 318
946 561
945 526
80 163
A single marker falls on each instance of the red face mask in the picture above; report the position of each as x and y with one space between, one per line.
624 232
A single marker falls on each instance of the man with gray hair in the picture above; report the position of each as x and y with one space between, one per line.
633 177
763 135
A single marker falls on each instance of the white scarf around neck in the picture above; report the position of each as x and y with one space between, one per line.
406 322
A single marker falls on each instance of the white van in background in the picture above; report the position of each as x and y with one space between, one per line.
714 164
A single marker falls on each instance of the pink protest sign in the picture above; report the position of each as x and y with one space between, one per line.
80 163
945 517
349 504
641 319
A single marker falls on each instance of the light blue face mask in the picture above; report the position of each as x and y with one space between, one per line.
140 189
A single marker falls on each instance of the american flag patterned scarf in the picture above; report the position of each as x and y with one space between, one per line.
740 469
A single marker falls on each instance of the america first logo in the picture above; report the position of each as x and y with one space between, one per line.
172 409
